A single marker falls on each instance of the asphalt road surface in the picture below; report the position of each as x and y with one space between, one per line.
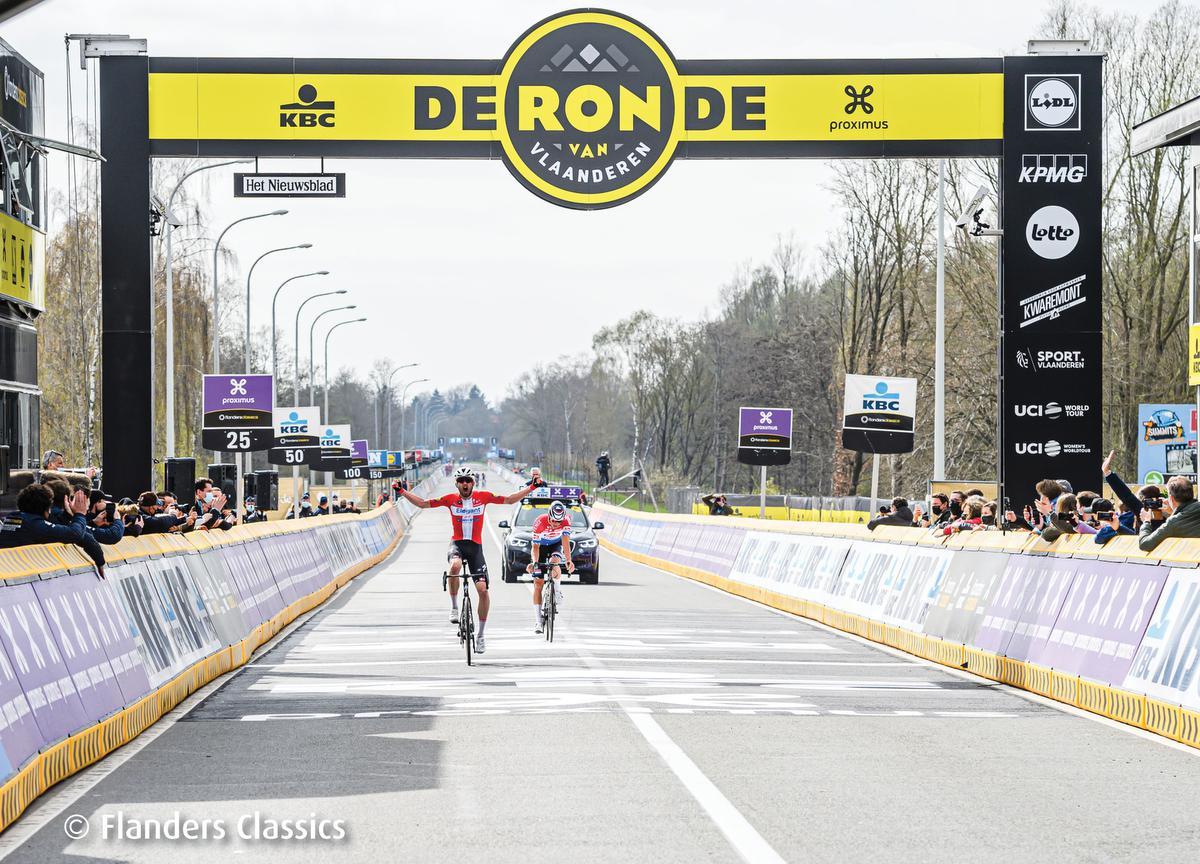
667 722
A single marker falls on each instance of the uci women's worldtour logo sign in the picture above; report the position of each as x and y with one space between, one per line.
590 113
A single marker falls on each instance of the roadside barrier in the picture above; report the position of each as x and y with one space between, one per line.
853 509
87 664
1108 629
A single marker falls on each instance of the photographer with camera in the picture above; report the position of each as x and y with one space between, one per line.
1183 519
899 514
156 518
103 522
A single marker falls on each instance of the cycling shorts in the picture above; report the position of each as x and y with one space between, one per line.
551 552
471 554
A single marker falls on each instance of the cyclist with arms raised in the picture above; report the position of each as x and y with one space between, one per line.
466 542
551 537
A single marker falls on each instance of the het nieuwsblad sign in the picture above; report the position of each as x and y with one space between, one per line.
587 109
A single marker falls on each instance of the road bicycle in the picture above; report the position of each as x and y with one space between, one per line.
466 614
549 592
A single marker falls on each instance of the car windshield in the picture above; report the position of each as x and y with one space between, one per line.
529 512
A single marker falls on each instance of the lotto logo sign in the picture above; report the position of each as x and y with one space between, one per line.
1052 103
1052 232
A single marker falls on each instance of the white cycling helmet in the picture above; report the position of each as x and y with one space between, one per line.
558 512
464 473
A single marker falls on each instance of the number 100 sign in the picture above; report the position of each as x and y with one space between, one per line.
237 412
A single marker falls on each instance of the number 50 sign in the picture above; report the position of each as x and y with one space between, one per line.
237 412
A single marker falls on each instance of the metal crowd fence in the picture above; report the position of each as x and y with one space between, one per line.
97 661
852 509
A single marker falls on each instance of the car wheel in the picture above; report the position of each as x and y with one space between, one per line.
590 578
509 574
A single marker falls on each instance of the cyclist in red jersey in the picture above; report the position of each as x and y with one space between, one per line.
466 508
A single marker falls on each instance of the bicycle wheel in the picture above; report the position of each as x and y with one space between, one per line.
467 626
551 610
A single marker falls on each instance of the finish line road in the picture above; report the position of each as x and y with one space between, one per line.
667 722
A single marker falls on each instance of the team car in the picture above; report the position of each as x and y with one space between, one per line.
518 535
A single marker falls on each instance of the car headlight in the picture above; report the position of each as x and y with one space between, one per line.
586 544
518 543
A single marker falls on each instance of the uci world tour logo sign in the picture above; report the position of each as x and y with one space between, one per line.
588 108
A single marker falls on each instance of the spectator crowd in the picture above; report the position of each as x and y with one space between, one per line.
65 507
1154 514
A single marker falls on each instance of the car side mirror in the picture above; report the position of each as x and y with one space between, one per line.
597 526
503 523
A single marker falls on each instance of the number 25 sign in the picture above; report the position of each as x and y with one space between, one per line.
237 412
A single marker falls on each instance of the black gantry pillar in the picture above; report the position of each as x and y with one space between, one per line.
126 319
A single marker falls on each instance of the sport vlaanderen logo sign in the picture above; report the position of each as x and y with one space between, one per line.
587 109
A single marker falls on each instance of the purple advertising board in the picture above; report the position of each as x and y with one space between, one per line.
765 428
44 676
706 547
89 632
358 452
20 737
1166 663
1021 617
238 412
243 400
1102 620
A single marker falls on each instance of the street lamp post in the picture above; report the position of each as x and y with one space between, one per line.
296 341
424 414
327 335
403 393
246 355
311 351
169 317
274 302
388 387
216 317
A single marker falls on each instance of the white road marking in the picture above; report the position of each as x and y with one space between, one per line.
550 658
1035 698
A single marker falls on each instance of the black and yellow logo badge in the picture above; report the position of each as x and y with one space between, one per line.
590 109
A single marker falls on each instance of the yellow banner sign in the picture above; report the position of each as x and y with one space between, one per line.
1194 355
587 108
22 263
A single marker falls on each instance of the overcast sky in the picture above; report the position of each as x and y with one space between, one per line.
485 264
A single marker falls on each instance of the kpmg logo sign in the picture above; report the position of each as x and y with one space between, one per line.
1051 303
307 112
1052 232
881 399
1053 168
1052 103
